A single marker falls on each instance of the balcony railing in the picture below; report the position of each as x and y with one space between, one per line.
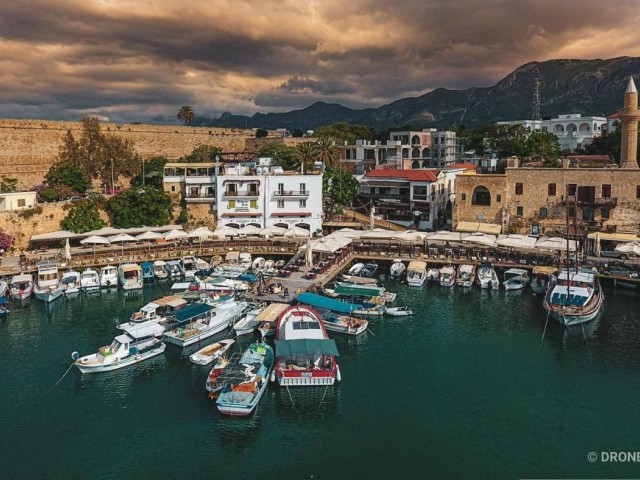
291 193
242 194
202 198
590 201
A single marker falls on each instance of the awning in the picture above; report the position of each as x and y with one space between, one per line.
320 301
619 237
379 183
242 214
491 228
359 290
191 311
291 214
287 348
232 256
144 329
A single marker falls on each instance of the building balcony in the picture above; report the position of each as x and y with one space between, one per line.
202 198
610 202
291 193
242 194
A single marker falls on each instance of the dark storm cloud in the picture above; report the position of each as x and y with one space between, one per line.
138 60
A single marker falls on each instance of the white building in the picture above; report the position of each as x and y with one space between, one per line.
10 202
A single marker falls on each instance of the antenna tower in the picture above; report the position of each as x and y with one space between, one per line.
536 99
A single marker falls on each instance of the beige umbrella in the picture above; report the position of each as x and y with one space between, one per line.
297 232
175 234
122 238
226 231
67 251
95 240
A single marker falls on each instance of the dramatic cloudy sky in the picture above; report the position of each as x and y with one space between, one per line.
139 60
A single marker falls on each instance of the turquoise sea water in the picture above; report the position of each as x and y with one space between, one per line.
463 389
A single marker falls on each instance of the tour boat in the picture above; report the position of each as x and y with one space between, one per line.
575 298
245 379
173 268
447 276
21 286
416 273
158 310
305 356
89 281
543 277
147 272
138 343
160 270
199 321
109 276
515 279
212 352
487 276
71 282
397 269
188 267
130 276
248 324
399 311
345 324
433 275
48 286
466 275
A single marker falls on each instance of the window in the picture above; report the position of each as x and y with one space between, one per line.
519 188
464 197
22 202
606 191
551 189
572 188
543 212
232 189
281 187
572 212
498 198
303 203
303 188
605 213
481 196
173 188
637 191
519 211
253 204
232 204
280 204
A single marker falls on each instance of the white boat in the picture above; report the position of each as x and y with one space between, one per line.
244 260
188 267
397 269
466 275
355 269
71 282
137 344
108 276
158 310
416 273
212 352
359 280
575 298
173 268
345 324
268 319
160 269
447 276
487 276
21 286
370 310
515 279
433 275
48 286
199 321
258 264
305 355
202 265
248 323
130 276
543 277
399 311
369 270
4 287
89 281
229 271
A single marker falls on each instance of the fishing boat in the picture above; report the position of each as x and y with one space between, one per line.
575 298
466 275
188 267
173 268
71 282
147 272
130 276
345 324
359 280
199 321
138 343
244 380
160 270
248 323
369 270
397 269
399 311
370 310
305 356
108 276
89 281
447 276
212 385
416 273
515 279
355 269
48 286
542 278
433 275
21 286
487 276
212 352
268 319
158 310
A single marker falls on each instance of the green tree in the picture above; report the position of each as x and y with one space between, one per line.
507 140
306 154
608 144
262 133
544 144
203 154
339 188
153 168
297 133
70 175
8 185
345 132
186 114
327 151
140 206
83 217
282 155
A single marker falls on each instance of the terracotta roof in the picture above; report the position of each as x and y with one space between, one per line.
291 214
465 165
410 175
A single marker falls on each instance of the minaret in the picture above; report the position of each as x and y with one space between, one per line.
630 117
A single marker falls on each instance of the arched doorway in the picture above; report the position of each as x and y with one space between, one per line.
481 196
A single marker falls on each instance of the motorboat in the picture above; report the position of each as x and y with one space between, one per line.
575 298
203 266
244 260
160 270
279 264
248 323
212 352
515 279
399 311
305 355
542 278
4 287
466 275
244 380
487 277
173 268
345 324
433 275
89 281
416 273
108 276
21 286
369 270
139 342
359 280
71 282
158 310
397 269
212 385
447 276
355 269
229 271
47 286
369 310
130 276
258 264
147 272
188 267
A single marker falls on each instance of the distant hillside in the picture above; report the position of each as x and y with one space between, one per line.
592 87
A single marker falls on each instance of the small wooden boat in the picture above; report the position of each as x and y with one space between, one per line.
345 324
370 310
248 323
212 352
212 385
399 311
515 279
4 310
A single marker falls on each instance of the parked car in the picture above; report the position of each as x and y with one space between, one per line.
615 254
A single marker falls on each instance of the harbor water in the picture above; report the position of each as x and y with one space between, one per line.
466 388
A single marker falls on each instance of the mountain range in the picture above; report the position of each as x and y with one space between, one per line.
589 87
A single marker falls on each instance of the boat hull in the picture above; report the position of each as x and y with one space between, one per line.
125 362
48 295
305 378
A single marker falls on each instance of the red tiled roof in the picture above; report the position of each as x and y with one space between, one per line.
291 214
466 166
410 175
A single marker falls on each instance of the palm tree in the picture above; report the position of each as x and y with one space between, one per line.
305 154
327 151
186 114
